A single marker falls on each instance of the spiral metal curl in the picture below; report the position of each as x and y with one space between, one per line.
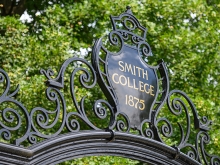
147 132
100 110
32 138
5 133
124 35
205 122
144 48
84 79
166 129
121 125
203 139
193 153
135 39
215 160
72 124
42 117
10 115
48 73
177 107
87 81
4 77
11 118
116 39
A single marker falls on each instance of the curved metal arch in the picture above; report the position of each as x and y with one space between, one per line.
94 143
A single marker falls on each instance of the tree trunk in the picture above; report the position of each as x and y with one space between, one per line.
11 7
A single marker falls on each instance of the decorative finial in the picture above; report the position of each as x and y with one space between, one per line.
128 10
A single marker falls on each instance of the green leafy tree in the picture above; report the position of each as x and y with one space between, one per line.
186 34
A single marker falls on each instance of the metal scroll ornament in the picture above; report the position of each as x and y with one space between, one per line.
131 84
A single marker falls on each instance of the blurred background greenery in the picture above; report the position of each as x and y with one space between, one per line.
185 34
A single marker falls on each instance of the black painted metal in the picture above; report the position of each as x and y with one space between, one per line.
88 143
147 144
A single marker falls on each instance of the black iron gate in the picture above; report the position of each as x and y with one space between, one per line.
135 93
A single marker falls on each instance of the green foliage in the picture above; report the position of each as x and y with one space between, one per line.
105 160
186 34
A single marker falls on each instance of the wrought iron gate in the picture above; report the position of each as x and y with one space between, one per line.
135 93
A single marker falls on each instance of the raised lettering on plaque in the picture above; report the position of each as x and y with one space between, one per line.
130 84
134 83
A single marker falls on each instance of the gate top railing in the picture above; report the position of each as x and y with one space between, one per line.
134 94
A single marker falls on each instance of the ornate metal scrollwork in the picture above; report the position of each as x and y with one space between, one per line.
183 105
12 119
142 116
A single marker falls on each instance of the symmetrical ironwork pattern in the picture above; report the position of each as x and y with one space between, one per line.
152 132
